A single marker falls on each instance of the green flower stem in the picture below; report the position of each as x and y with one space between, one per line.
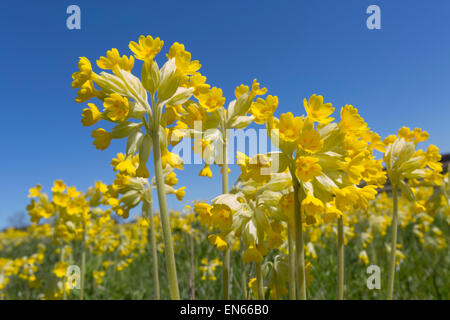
227 253
291 263
259 281
61 258
299 243
165 222
373 251
149 214
243 281
83 262
226 274
192 273
393 243
340 245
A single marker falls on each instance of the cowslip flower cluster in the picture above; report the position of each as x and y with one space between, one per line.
333 161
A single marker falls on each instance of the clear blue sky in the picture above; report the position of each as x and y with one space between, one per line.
396 76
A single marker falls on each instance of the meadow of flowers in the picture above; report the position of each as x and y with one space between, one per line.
303 222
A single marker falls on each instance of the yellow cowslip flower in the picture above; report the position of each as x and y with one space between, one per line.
433 177
34 192
142 170
252 254
98 276
36 213
420 135
124 164
274 239
85 73
102 138
221 216
263 110
290 127
198 82
374 140
433 158
183 59
256 90
345 197
309 140
331 212
403 161
61 269
351 121
121 181
113 60
86 92
253 285
122 212
194 112
113 202
239 91
100 187
147 48
172 114
312 207
90 115
354 166
61 199
406 134
171 179
77 206
317 110
287 206
306 168
204 213
171 159
364 195
206 171
218 241
58 186
389 140
180 193
251 168
116 107
212 100
363 258
351 197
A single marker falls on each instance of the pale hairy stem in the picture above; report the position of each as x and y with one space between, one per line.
340 247
259 281
291 262
83 263
393 243
149 208
227 253
165 221
192 273
243 280
299 242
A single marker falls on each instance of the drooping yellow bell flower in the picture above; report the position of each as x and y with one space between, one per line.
90 115
307 168
116 107
218 241
102 138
